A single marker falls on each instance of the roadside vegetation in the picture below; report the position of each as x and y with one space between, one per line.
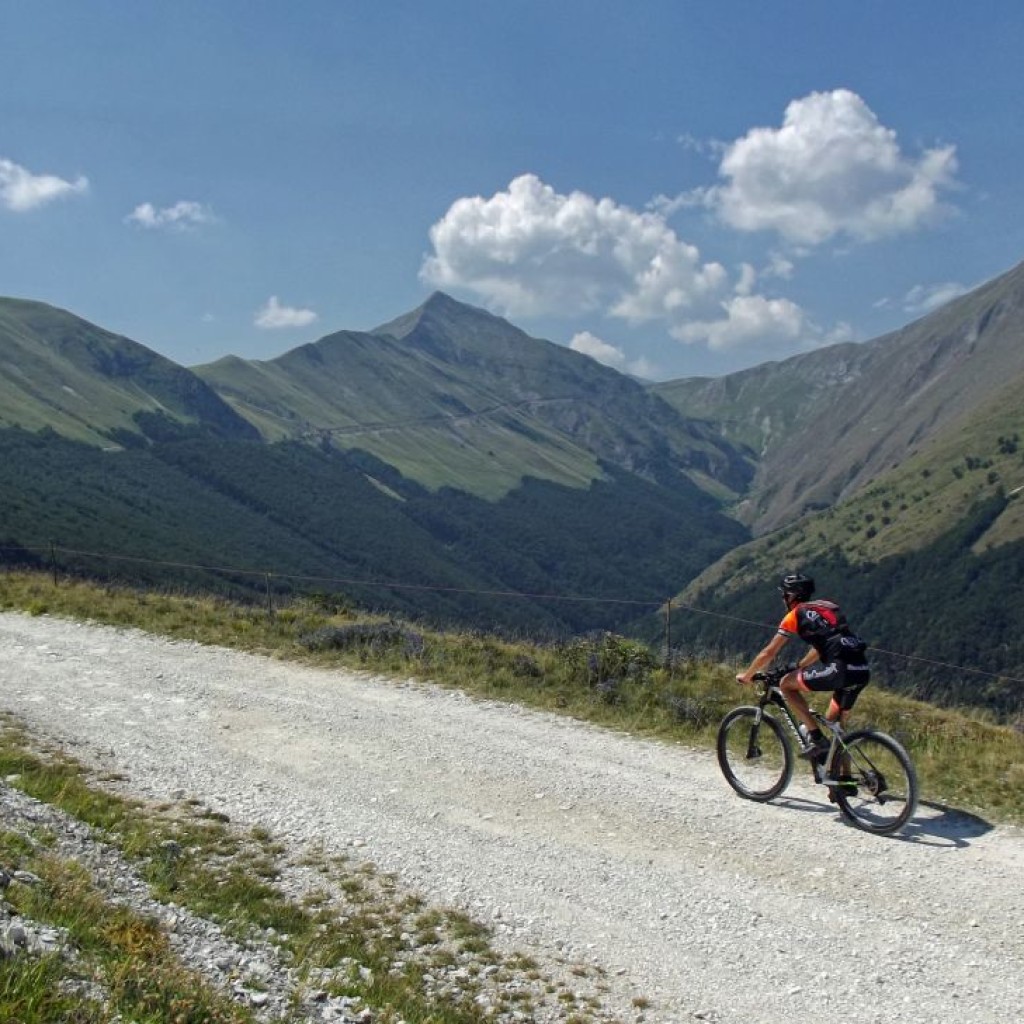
965 761
354 935
963 757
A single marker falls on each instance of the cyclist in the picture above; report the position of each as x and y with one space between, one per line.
843 667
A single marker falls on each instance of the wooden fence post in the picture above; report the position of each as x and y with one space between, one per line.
668 635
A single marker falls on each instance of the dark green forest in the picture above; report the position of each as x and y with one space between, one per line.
545 562
315 520
920 612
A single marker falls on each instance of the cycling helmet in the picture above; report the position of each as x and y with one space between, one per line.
797 585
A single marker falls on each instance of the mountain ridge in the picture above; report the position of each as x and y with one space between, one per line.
365 455
868 406
478 394
537 469
67 374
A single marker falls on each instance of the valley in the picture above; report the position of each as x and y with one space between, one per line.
451 451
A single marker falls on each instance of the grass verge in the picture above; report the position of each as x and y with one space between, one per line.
352 935
963 760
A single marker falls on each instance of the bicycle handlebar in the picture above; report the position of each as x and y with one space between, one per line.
772 676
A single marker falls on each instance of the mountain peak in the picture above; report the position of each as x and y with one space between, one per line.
440 310
441 300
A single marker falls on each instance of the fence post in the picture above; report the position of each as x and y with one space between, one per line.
668 635
53 561
270 600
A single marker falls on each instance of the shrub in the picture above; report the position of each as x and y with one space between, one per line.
597 658
689 711
371 637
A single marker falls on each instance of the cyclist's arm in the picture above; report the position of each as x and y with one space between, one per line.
809 658
762 660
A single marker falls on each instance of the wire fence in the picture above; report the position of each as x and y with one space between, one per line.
48 557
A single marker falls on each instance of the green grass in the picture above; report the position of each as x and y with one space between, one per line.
344 938
123 963
963 759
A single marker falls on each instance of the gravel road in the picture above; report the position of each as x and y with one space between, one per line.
571 840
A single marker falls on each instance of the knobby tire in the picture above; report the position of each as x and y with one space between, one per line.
755 757
885 797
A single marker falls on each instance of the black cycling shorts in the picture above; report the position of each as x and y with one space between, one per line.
846 681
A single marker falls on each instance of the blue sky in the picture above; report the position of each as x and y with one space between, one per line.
677 189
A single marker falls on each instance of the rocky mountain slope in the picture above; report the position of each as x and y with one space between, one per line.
826 424
454 396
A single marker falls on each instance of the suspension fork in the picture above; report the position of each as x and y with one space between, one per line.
753 749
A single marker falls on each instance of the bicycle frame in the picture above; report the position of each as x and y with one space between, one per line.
867 772
769 692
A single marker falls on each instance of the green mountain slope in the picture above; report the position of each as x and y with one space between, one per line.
893 472
826 424
454 396
448 453
978 458
333 521
68 375
928 560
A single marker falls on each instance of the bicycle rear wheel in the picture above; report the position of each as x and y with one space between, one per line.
880 794
754 754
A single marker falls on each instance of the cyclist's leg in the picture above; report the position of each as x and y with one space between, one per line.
850 680
816 679
797 701
853 679
796 684
835 711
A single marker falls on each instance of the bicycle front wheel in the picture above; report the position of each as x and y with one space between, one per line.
878 787
754 755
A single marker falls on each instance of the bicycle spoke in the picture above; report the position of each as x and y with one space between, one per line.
753 754
879 787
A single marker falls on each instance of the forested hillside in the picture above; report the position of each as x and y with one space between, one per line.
321 520
943 621
447 465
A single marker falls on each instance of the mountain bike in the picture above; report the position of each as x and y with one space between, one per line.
868 774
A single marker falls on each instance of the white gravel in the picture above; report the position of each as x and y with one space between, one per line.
571 840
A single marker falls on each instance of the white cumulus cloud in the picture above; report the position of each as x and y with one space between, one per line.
746 319
21 190
923 298
530 250
831 169
593 346
179 216
273 316
610 355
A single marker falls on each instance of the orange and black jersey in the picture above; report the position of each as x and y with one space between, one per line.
823 625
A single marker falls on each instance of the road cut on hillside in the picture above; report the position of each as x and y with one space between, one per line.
572 842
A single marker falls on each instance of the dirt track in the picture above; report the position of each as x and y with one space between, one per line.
628 854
